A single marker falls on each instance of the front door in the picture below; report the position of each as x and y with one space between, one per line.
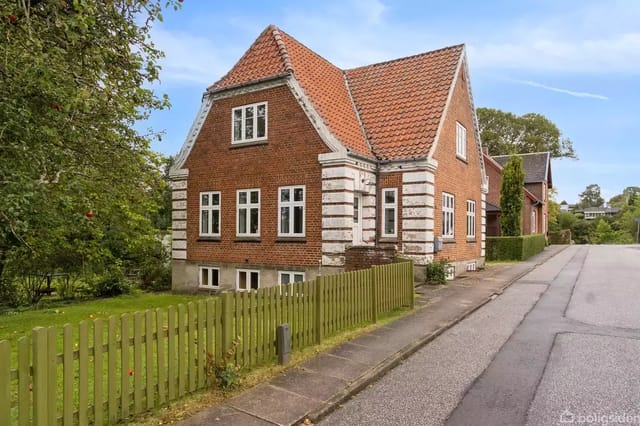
357 219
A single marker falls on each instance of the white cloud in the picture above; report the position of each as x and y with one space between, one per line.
560 90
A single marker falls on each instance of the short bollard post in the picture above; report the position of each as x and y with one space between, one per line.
283 340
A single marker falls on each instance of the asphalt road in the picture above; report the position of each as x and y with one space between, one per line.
560 346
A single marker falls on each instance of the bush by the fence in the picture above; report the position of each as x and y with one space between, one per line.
560 237
514 248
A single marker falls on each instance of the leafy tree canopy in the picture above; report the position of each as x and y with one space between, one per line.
628 197
74 78
591 197
505 133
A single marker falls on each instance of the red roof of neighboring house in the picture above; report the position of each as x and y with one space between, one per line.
398 104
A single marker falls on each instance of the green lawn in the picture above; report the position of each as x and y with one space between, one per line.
15 324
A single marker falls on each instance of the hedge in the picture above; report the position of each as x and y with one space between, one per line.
514 248
560 237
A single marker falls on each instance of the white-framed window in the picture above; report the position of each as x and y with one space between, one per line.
533 221
471 219
544 223
248 213
247 279
286 277
448 215
210 214
390 212
209 277
291 218
249 123
461 141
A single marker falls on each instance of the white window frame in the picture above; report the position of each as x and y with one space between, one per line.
292 275
248 206
210 209
291 204
209 270
471 219
448 215
461 141
248 272
393 206
243 119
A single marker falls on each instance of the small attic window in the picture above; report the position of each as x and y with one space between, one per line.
249 123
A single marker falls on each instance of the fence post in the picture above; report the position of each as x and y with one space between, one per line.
40 402
319 317
5 382
227 322
374 278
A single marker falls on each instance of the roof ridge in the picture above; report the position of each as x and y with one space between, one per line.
430 52
526 153
282 48
307 47
356 110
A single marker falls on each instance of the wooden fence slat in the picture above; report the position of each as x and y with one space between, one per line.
125 365
202 347
252 327
217 314
5 382
67 374
83 373
191 345
161 353
98 371
182 362
24 381
273 300
40 376
264 312
137 362
171 353
246 342
211 327
112 374
238 328
149 358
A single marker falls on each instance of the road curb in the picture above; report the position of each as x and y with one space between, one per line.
394 360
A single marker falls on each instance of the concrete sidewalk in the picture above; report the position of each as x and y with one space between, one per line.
317 386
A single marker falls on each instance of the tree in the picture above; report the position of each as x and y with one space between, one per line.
604 233
75 77
628 197
512 197
591 197
505 133
566 220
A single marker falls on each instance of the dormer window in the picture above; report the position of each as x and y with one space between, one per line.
249 123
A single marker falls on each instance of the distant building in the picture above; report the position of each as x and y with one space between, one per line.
591 213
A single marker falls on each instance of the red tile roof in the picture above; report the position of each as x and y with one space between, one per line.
400 103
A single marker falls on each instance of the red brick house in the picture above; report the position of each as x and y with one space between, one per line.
292 160
537 182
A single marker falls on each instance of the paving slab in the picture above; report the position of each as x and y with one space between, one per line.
274 404
333 366
309 383
225 416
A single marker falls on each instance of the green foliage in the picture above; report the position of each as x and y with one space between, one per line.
582 231
78 184
112 283
514 248
224 373
562 236
627 198
591 197
512 197
436 272
566 220
505 133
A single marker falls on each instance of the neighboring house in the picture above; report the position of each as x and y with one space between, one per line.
591 213
291 160
537 182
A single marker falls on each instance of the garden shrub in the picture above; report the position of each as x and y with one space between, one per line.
436 272
560 237
514 248
112 283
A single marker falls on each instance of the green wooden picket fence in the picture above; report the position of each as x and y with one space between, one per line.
105 371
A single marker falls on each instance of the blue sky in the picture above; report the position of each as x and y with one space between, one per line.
577 62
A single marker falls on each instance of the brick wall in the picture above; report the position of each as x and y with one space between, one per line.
290 157
462 178
362 257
